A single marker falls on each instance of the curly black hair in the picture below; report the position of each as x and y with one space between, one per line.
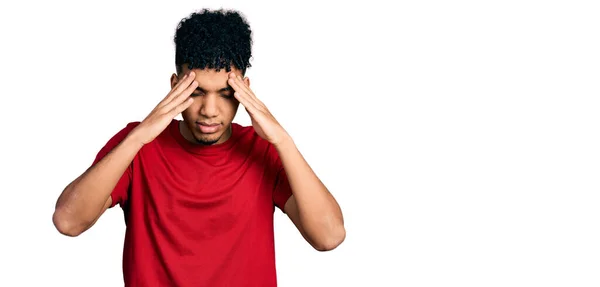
213 39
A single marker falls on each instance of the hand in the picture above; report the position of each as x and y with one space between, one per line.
264 123
161 116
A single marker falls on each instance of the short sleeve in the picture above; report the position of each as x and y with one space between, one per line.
282 191
119 194
281 188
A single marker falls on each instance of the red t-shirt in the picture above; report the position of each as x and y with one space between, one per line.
200 215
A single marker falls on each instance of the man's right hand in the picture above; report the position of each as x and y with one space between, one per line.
84 200
173 104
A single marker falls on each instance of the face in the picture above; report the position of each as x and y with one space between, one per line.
208 119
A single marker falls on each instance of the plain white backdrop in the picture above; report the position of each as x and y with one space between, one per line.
461 138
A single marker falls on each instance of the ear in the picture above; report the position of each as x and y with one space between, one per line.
247 81
174 80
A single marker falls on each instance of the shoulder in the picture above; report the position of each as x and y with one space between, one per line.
121 134
131 125
124 130
116 138
127 129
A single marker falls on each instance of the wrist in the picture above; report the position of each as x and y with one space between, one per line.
132 140
285 143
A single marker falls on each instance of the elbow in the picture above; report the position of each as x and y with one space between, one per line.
331 241
64 225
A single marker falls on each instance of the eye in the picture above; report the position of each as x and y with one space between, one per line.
196 94
227 96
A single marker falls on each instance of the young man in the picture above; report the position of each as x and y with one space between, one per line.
199 195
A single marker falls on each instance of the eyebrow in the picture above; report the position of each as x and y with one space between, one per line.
225 89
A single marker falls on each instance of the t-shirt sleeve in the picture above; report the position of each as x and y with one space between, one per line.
282 189
119 194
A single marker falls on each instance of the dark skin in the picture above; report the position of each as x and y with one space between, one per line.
213 102
207 97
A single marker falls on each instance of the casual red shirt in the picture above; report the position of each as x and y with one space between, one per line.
200 215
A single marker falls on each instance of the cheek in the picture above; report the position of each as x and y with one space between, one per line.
230 108
191 110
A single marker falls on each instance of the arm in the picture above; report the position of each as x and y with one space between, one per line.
312 208
85 199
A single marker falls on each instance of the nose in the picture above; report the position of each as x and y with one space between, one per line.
209 107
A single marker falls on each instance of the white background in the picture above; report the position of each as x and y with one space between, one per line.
461 138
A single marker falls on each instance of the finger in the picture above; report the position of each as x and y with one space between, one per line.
250 92
237 80
246 102
242 85
180 98
184 83
243 97
244 91
171 93
180 108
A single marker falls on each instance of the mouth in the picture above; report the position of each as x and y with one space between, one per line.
208 128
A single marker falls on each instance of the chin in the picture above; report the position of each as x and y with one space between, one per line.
206 142
208 139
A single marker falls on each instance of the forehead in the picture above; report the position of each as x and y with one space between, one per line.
210 79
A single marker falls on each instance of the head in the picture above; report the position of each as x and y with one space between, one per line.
212 44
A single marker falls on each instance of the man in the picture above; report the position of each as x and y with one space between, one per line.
199 195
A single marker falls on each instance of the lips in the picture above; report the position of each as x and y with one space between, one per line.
208 127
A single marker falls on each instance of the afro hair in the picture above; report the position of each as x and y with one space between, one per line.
213 39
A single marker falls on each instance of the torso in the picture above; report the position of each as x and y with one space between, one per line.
201 216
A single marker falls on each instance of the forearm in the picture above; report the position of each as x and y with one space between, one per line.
84 199
319 213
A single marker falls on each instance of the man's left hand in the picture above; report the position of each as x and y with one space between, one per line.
264 123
